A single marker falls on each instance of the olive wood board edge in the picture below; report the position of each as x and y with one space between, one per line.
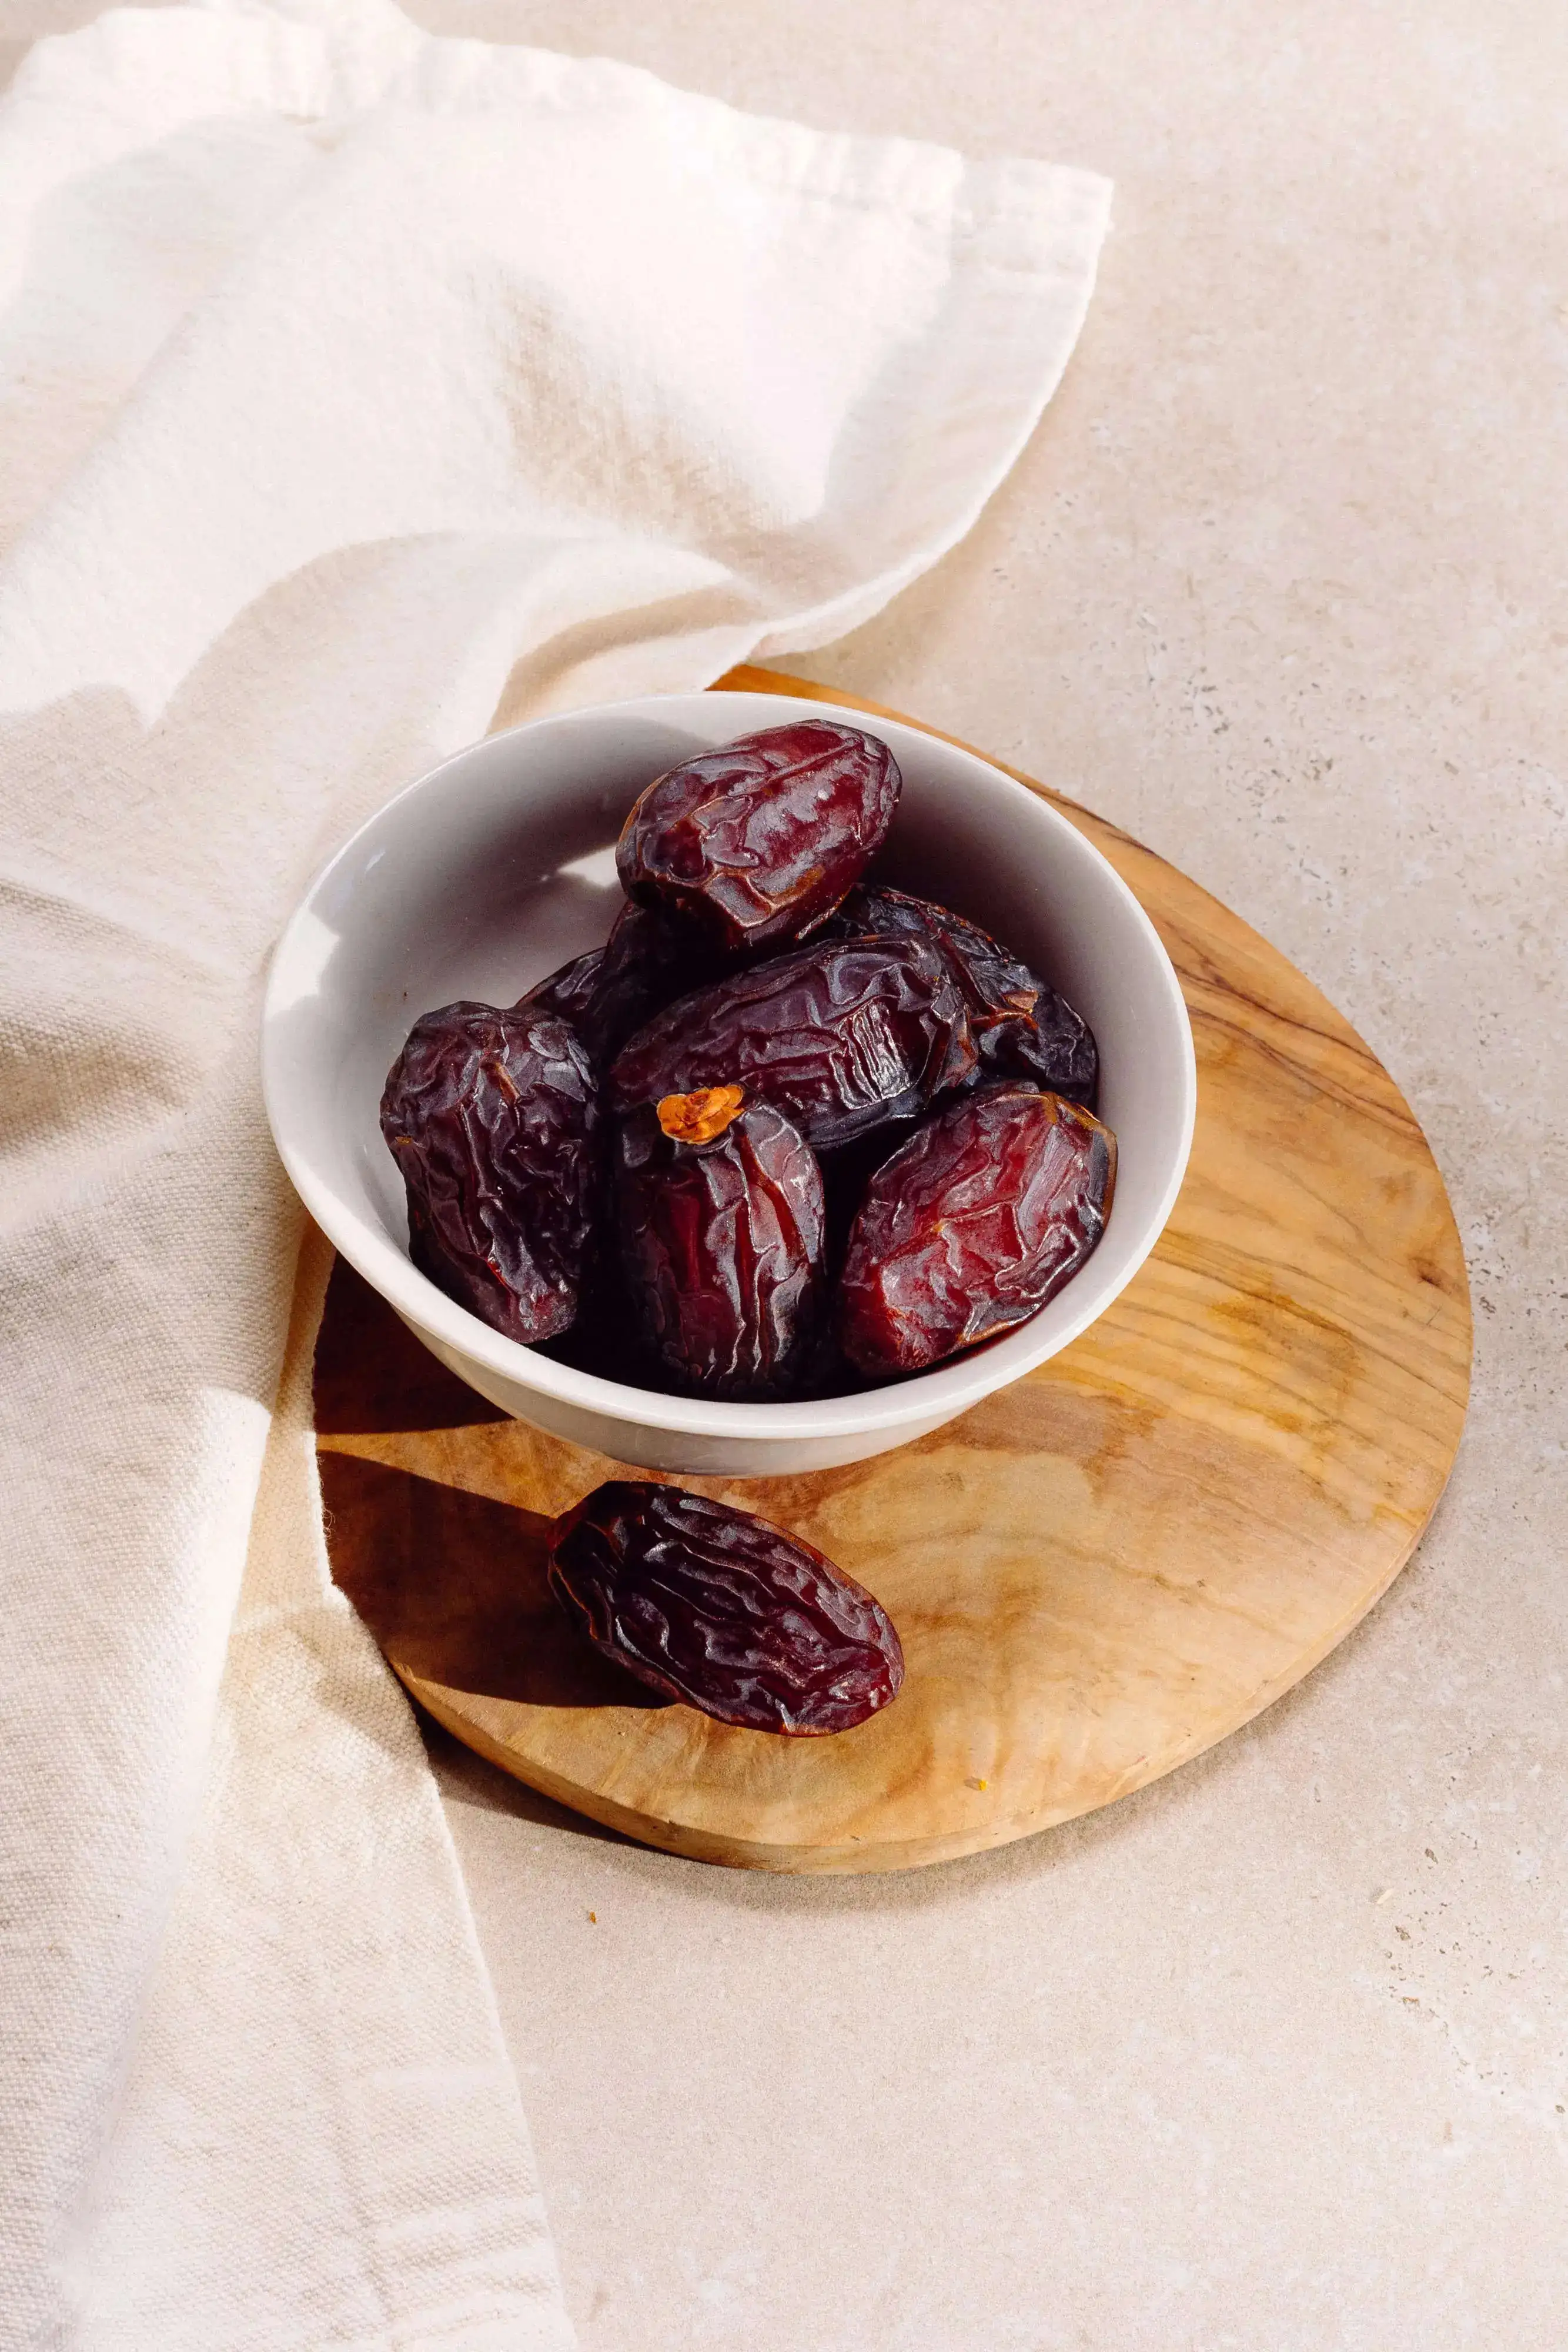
1097 1574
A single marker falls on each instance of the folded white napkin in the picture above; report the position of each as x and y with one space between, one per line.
354 386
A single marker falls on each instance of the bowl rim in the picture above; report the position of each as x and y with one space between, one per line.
923 1398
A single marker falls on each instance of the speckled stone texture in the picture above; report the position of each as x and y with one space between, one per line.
1274 2056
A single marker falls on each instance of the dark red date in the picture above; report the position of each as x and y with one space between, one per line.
722 1241
1021 1028
972 1225
568 993
842 1037
756 843
724 1611
643 965
491 1117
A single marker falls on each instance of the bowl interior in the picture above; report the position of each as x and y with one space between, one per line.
499 865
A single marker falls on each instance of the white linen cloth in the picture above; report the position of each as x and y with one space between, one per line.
354 385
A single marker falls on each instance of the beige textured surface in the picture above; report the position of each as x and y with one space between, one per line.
1276 587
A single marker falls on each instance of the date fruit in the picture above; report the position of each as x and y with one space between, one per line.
1021 1028
491 1116
841 1037
568 993
756 843
642 966
722 1241
716 1607
972 1225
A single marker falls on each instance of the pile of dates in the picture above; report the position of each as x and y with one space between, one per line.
787 1133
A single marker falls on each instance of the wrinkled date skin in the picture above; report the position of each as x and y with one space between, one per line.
1021 1028
721 1242
724 1611
841 1037
568 993
643 965
756 843
492 1115
972 1225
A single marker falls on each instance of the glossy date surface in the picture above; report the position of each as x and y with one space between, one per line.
568 993
724 1611
721 1242
643 965
755 843
1021 1027
971 1226
842 1037
492 1115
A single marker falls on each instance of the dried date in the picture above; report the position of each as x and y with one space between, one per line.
568 993
842 1037
1021 1027
646 962
722 1241
491 1117
722 1610
756 841
972 1225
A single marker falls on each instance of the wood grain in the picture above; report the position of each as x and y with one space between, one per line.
1096 1574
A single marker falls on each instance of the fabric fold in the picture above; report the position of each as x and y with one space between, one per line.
355 385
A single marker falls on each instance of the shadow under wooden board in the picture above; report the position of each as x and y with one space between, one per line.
1096 1574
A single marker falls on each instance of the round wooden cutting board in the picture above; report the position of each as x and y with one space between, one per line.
1096 1574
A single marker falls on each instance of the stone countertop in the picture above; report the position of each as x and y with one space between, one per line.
1273 2055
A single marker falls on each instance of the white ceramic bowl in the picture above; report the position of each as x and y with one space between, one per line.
499 864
